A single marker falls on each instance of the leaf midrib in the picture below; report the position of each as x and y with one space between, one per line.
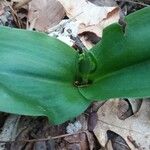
119 70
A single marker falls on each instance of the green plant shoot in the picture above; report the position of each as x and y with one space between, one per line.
41 76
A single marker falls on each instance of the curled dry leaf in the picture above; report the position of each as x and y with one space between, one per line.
136 127
45 14
97 16
91 18
110 18
117 142
124 109
136 104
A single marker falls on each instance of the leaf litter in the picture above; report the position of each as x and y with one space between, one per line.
94 20
117 124
45 14
135 127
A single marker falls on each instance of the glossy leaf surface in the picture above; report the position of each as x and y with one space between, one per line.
37 75
123 60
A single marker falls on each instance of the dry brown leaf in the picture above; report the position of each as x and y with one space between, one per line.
135 130
45 14
124 109
91 18
109 146
88 13
136 104
111 17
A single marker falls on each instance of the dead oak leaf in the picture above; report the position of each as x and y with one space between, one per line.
45 14
136 127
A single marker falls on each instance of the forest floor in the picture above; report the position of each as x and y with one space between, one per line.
99 127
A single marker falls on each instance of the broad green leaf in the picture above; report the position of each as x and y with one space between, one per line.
37 75
123 60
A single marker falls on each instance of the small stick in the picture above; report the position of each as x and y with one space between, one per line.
43 139
133 142
15 16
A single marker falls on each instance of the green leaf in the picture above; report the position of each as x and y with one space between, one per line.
37 75
123 60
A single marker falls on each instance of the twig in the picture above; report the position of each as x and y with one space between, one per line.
133 142
134 2
42 139
15 16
